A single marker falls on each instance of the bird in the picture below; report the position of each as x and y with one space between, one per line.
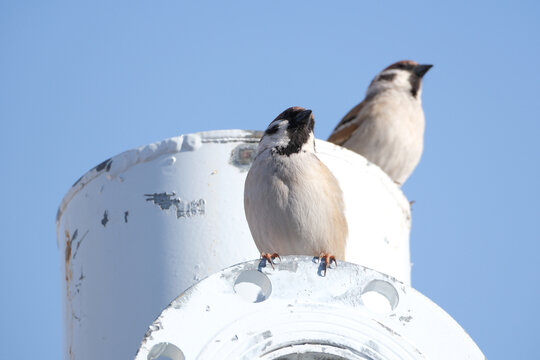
293 203
387 127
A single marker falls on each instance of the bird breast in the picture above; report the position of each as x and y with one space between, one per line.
294 206
390 133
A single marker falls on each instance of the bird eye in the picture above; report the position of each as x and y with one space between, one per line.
272 130
387 77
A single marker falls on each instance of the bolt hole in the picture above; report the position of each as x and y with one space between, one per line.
253 286
165 351
380 296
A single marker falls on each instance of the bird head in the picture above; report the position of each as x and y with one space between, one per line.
291 132
404 75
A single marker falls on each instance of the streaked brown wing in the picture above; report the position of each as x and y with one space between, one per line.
346 126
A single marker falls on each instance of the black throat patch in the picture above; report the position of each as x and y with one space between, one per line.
298 136
415 82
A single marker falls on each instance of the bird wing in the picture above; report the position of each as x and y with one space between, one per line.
346 126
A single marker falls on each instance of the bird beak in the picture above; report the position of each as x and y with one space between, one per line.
421 70
304 116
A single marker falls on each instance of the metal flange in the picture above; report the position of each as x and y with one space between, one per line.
250 311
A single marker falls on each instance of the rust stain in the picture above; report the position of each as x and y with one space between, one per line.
68 297
68 258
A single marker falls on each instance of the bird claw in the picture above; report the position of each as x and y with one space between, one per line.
270 258
328 259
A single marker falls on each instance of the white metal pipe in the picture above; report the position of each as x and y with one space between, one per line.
145 225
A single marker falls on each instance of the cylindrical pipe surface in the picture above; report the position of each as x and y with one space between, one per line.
143 226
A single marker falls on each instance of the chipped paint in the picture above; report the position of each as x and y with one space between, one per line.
126 214
243 155
105 218
104 165
72 245
405 318
68 310
78 242
118 164
184 208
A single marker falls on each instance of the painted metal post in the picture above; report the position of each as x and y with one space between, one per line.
143 226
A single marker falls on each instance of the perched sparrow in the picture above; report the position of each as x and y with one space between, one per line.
388 126
293 203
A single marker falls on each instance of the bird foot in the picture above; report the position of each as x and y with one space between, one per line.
328 259
270 258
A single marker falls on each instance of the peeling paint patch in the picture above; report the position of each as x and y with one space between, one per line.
126 214
184 208
79 283
243 155
104 165
405 318
156 325
73 242
78 242
73 238
105 219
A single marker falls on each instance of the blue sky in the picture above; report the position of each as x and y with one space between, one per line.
80 82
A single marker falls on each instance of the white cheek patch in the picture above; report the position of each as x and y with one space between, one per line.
400 80
281 139
278 139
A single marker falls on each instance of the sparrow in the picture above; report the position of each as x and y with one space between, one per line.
387 127
293 203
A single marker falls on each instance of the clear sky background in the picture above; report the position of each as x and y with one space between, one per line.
81 82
